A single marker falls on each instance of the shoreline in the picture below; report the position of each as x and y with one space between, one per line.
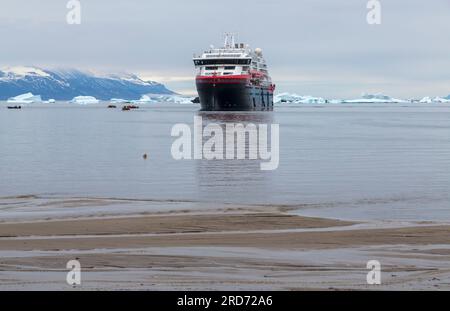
247 250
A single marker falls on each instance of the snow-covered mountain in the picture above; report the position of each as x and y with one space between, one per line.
69 83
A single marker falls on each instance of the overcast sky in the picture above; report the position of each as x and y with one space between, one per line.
313 47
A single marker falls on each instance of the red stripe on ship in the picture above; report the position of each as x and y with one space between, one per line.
231 79
223 79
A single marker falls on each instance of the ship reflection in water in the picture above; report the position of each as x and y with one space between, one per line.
233 180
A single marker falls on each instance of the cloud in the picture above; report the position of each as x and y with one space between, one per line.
318 47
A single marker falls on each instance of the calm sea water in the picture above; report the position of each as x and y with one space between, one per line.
379 161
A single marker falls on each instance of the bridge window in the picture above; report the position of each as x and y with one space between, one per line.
222 61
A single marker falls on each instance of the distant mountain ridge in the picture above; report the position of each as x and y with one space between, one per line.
69 83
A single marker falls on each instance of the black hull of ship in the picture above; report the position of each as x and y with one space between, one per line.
234 97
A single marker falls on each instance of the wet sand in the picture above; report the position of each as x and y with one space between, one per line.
222 250
264 231
166 224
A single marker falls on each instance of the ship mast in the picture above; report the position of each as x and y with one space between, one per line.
229 41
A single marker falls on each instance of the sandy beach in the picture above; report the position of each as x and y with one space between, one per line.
243 248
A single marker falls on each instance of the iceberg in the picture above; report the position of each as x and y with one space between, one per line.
176 99
26 98
84 100
297 99
163 98
291 98
426 100
375 98
143 99
118 100
441 100
429 100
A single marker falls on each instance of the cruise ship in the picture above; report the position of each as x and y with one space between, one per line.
233 78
